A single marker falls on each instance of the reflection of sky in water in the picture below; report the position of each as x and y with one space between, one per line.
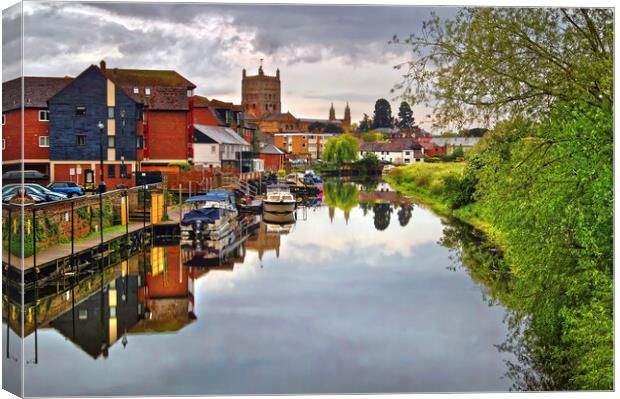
344 308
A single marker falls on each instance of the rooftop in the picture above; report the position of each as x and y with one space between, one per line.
37 90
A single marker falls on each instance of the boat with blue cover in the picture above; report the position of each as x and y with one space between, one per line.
214 214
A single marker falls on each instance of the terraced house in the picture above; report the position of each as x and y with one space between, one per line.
37 90
146 116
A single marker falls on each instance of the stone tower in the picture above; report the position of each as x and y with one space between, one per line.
332 113
260 94
347 116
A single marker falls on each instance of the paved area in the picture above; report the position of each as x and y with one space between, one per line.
60 250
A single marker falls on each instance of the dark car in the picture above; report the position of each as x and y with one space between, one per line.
66 187
30 176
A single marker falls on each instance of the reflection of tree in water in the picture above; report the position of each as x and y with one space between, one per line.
404 214
365 206
534 366
340 195
382 213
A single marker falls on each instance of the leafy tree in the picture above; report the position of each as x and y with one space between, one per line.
383 114
405 114
365 124
372 136
543 177
490 62
341 149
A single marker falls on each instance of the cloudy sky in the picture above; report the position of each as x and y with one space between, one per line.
325 53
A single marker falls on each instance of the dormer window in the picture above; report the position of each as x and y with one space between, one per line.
44 116
136 90
147 91
190 93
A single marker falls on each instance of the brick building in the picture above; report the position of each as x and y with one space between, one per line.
146 116
37 90
302 143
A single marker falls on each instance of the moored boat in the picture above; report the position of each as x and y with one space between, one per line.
214 214
279 199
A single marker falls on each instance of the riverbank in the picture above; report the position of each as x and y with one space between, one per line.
436 185
564 307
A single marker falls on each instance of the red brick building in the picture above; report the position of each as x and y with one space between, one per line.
37 90
167 123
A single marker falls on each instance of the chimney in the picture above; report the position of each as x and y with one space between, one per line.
102 65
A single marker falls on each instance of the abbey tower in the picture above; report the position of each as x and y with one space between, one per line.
260 94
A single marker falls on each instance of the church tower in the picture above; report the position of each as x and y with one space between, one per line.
332 113
347 116
260 94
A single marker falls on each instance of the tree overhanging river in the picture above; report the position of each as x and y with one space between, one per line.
366 292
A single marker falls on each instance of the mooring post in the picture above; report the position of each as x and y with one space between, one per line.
34 244
10 224
73 265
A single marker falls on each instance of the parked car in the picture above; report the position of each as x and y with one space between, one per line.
30 176
34 189
28 196
66 187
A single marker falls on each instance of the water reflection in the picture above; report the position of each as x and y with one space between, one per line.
345 302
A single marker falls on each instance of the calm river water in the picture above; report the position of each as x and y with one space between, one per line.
359 296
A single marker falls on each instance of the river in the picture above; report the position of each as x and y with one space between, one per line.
364 293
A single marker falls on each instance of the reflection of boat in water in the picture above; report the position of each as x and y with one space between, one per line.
279 218
213 252
279 199
214 214
278 228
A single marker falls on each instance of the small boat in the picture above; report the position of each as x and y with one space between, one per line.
214 215
279 199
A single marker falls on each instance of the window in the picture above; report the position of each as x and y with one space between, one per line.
190 93
3 119
44 141
111 170
110 112
3 144
111 141
71 184
80 139
44 116
136 90
147 91
140 141
80 110
213 148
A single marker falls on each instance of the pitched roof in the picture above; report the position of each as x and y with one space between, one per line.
201 101
222 135
37 90
276 116
168 89
271 149
386 146
456 141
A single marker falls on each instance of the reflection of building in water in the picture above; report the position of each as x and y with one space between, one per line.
168 296
105 317
264 241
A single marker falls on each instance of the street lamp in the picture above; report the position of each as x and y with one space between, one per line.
101 182
101 190
123 147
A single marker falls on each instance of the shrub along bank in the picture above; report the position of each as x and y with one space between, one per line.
544 193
